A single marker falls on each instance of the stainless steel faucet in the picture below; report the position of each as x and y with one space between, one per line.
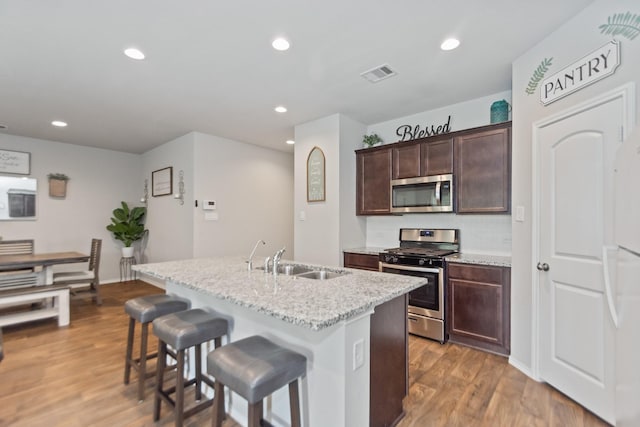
276 261
250 260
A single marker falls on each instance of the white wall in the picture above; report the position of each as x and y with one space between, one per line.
478 233
253 190
170 224
100 179
331 224
575 39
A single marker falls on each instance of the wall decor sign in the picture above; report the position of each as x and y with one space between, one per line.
315 175
16 162
162 182
624 24
589 69
538 75
408 133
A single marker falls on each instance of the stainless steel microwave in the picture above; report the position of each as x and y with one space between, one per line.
422 194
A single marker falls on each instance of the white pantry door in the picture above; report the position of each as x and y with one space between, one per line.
575 175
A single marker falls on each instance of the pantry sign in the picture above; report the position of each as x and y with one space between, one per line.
597 65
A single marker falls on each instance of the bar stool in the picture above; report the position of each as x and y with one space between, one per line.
254 368
145 310
181 331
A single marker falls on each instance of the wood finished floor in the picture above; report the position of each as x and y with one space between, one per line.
72 377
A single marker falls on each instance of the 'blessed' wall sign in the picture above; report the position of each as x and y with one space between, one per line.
408 132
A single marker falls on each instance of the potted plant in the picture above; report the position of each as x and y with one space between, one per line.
57 184
371 140
127 225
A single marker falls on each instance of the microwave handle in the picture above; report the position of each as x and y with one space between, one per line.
438 193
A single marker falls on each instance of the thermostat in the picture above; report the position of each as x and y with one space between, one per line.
209 205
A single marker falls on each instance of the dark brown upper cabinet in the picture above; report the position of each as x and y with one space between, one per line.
483 170
423 158
373 181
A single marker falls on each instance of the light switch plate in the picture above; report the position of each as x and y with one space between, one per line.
520 213
303 215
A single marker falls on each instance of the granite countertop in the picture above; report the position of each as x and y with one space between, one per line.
370 250
314 304
482 259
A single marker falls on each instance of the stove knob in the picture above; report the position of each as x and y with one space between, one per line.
421 262
395 259
430 262
387 258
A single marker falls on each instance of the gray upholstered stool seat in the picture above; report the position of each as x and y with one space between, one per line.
183 330
254 368
145 310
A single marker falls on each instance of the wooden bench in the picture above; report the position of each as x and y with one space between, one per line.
15 290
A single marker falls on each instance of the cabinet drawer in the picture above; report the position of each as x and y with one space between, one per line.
361 261
476 273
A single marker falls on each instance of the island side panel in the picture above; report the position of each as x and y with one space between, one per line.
331 392
389 370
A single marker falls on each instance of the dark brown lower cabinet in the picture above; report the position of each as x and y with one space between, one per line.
361 261
389 366
478 306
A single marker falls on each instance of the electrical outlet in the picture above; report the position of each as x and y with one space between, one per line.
358 354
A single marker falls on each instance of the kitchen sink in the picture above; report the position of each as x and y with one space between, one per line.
290 269
321 274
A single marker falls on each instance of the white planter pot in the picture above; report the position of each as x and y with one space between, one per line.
127 252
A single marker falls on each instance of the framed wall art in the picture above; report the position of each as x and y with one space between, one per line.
15 162
162 182
315 176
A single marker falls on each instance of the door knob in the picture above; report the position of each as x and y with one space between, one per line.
543 266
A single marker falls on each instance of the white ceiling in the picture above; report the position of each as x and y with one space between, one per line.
210 66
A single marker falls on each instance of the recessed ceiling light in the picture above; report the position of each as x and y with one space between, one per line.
59 123
280 44
290 141
281 109
134 53
450 44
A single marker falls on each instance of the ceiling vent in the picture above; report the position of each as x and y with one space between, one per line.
3 127
378 73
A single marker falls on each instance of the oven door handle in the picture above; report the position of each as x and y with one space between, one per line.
408 268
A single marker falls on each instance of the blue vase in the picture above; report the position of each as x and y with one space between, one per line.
500 111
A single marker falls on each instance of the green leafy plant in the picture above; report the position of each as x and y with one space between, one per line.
58 176
624 24
127 225
538 75
371 140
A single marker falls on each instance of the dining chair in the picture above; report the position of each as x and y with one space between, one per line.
88 277
17 247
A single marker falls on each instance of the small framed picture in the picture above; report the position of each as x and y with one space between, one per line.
15 162
162 182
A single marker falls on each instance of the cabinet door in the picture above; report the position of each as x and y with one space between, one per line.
483 172
437 157
373 181
478 311
406 161
361 261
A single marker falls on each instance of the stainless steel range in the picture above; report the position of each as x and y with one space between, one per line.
421 253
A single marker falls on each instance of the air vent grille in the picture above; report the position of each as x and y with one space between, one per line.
378 73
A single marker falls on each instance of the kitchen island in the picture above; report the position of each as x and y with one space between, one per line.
351 328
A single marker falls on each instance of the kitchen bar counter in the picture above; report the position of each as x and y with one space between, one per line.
352 329
311 303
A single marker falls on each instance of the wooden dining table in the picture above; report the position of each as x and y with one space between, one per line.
45 260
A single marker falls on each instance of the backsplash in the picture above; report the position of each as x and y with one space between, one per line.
482 234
